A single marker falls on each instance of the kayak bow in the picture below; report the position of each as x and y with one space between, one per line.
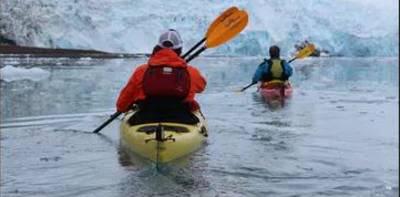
165 141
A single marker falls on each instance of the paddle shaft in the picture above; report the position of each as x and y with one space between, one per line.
194 47
196 54
248 86
292 59
243 89
114 116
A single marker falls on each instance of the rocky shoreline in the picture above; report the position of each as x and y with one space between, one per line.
7 50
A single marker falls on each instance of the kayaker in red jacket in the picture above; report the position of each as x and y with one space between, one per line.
166 78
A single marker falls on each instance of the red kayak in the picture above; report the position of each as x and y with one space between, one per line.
275 90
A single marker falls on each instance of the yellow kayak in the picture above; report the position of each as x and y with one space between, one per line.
165 141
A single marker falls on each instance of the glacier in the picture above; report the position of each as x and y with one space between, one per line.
343 27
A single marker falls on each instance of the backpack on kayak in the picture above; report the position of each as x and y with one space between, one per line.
165 88
166 82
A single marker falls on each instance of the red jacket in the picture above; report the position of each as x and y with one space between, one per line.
133 91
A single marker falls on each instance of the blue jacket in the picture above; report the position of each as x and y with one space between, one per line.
262 70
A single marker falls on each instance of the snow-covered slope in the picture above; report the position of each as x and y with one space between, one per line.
344 27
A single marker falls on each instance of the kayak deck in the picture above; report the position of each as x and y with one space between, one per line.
163 142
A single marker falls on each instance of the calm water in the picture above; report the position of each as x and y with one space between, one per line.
337 136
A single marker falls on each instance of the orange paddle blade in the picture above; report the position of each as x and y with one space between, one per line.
227 28
221 18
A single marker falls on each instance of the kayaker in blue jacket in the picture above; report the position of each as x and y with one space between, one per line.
273 70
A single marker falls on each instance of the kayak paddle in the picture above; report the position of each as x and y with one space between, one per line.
305 52
215 23
112 117
225 27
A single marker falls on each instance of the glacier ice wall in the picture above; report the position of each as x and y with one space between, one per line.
344 27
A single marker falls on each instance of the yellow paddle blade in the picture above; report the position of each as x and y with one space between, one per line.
227 28
221 18
306 51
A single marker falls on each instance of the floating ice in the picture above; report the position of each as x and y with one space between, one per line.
11 73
